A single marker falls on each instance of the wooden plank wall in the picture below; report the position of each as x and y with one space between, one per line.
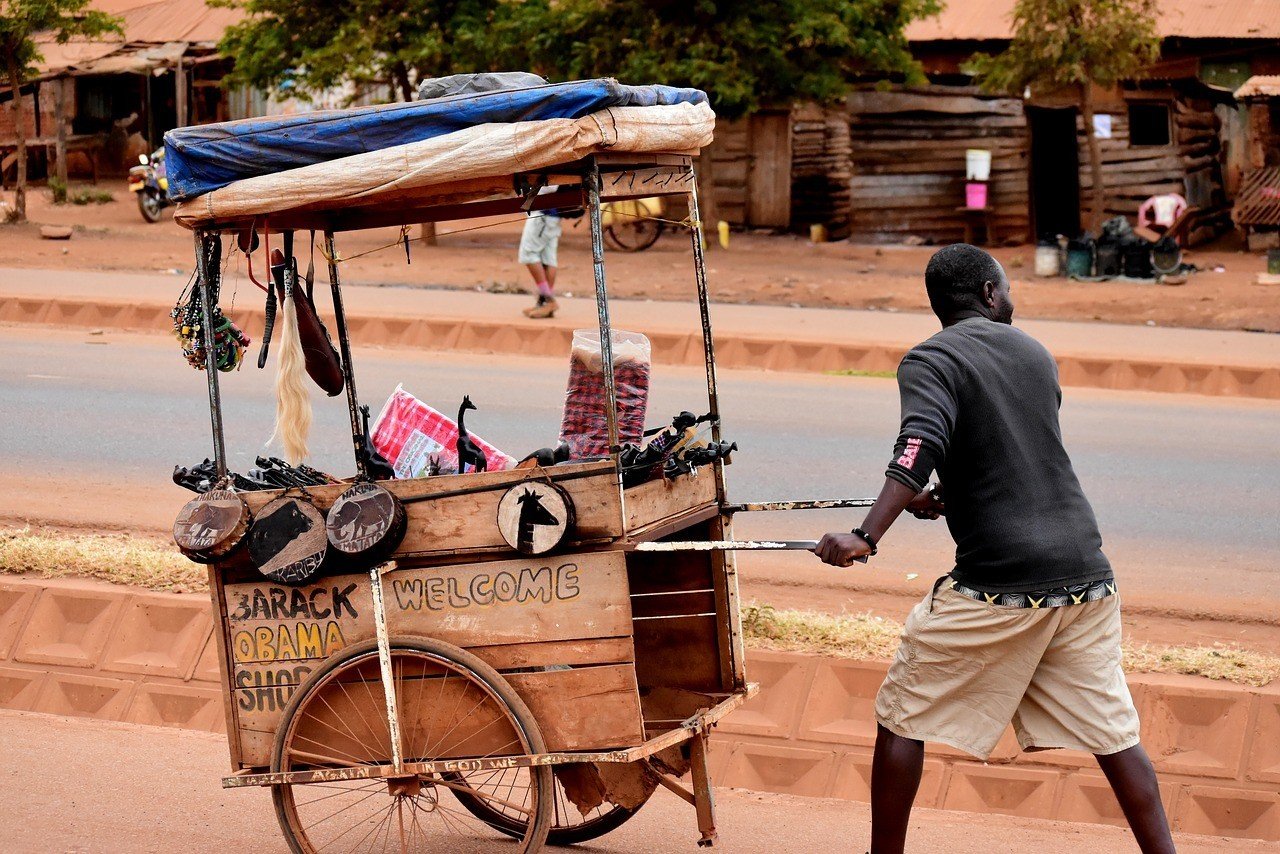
1189 166
726 172
909 160
821 167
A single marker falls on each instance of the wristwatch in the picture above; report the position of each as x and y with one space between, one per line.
867 538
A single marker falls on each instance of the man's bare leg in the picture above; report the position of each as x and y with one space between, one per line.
539 274
550 273
895 778
1134 781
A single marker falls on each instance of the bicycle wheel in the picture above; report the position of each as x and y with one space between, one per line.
569 825
632 230
451 706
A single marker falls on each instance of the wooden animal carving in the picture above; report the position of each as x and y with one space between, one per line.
469 453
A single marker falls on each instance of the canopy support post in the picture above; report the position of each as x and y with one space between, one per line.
208 278
602 306
704 311
344 348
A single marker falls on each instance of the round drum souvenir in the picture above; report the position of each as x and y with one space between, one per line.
212 525
287 541
366 522
535 517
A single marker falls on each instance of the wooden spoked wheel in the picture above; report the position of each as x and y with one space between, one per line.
569 825
451 706
633 229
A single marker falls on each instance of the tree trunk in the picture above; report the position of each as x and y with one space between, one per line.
20 189
401 75
60 114
1099 193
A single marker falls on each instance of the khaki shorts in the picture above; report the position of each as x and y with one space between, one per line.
965 669
540 240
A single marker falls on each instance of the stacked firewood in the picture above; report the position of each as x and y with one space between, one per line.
820 169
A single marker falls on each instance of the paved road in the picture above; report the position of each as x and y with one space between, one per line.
143 789
1185 487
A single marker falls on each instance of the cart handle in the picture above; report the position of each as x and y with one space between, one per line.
731 545
818 504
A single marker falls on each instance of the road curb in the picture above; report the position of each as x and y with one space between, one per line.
90 649
540 338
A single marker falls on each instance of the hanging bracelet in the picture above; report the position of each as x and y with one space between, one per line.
867 538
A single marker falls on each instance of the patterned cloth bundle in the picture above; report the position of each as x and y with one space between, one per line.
585 425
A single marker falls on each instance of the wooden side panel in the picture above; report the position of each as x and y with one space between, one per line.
678 652
656 502
442 521
570 610
584 708
677 631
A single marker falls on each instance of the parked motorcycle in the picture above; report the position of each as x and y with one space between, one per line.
149 180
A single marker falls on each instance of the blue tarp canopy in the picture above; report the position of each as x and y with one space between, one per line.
207 157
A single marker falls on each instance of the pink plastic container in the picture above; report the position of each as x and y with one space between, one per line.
975 195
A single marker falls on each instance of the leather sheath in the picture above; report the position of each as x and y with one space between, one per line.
322 362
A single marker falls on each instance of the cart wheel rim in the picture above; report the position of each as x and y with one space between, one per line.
568 825
450 708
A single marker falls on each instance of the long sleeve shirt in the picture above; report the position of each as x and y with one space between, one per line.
980 404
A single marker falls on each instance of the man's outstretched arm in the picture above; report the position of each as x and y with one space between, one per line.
895 496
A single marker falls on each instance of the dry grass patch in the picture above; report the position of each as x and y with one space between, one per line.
118 558
1216 662
859 636
864 636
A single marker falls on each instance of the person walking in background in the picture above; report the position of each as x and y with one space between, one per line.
1026 626
539 246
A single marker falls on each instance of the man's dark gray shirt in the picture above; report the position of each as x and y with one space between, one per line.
980 405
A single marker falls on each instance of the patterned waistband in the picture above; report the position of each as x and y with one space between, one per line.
1057 597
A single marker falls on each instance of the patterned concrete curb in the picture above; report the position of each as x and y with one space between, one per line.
732 351
810 731
89 649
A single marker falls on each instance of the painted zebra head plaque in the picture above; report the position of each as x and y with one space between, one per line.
210 526
366 522
287 541
534 517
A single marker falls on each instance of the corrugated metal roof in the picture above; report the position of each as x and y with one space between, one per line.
174 21
156 33
1265 86
989 20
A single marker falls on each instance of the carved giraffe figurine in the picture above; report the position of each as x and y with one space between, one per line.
469 452
532 514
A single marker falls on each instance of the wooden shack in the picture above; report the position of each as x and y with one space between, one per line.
1160 139
908 160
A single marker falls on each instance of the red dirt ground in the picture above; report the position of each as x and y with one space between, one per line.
758 268
168 799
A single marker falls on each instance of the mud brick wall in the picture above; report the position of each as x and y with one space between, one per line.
90 649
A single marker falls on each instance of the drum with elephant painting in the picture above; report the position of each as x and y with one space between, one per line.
366 523
211 526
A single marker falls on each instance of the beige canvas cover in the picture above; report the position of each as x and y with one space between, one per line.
466 164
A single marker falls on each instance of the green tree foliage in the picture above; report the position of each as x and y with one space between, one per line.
1074 45
317 46
20 22
744 55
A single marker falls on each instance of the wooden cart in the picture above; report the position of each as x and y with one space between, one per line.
461 689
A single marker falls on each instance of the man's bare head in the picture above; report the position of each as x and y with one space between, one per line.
963 280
